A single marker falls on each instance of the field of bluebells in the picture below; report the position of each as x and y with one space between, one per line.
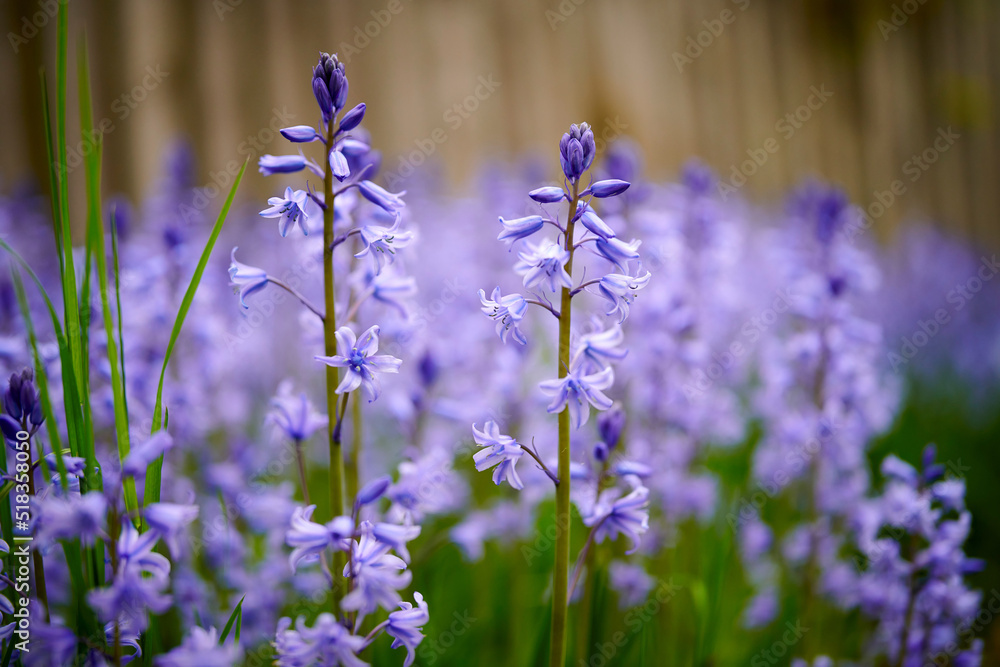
576 417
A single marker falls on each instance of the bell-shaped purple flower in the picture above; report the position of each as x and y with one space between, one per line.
593 222
628 515
21 405
381 243
596 350
362 364
611 187
520 228
579 392
309 539
404 626
548 195
300 134
247 279
297 207
387 201
498 450
617 252
72 517
327 642
339 166
146 452
373 490
168 520
377 575
610 425
621 290
295 414
353 118
507 312
281 164
544 264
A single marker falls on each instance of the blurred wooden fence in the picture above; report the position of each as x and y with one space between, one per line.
707 78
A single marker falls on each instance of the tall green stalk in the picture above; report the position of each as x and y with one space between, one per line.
332 375
560 575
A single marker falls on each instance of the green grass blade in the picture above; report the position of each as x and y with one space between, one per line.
152 493
53 177
41 378
235 617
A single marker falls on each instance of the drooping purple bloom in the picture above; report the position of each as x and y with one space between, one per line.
377 575
520 228
627 515
352 118
611 187
297 207
338 165
596 350
295 414
579 392
544 264
507 312
281 164
621 290
309 539
548 195
361 362
498 450
618 252
404 626
381 243
248 279
387 201
327 642
300 134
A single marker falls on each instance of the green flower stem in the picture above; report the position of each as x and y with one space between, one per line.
332 374
560 575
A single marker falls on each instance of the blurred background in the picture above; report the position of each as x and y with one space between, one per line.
452 82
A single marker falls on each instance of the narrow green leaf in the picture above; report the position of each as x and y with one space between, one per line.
235 617
53 178
41 378
152 493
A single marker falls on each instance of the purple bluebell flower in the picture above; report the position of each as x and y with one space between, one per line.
577 149
617 252
353 118
144 453
498 450
580 392
300 134
627 515
327 642
361 362
380 243
67 518
248 279
395 536
544 264
309 539
611 187
373 490
621 290
339 165
596 350
75 465
404 626
295 414
297 207
387 201
507 312
593 223
202 648
142 577
548 195
281 164
520 228
169 520
377 575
